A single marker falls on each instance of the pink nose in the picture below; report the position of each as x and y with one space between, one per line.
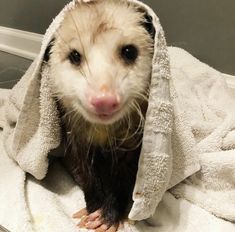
105 104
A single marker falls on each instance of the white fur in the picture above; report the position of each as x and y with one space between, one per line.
103 65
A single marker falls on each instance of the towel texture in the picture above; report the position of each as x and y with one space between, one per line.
186 123
209 106
47 205
32 128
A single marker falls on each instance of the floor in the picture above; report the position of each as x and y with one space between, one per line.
12 69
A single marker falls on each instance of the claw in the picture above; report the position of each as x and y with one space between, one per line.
93 224
94 221
81 213
83 222
112 229
102 228
94 216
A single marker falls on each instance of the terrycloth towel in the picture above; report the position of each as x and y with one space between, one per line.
31 128
51 202
29 205
210 109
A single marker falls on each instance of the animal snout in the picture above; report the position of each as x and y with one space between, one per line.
105 103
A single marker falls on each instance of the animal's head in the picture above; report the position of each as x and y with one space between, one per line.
101 59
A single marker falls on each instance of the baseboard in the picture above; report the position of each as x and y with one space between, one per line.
20 43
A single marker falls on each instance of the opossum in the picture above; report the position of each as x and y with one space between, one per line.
101 62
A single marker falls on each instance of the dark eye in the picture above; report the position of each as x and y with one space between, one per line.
75 57
129 53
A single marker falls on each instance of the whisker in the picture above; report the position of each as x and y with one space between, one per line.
114 158
139 129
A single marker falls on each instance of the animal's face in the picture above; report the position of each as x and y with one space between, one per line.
101 60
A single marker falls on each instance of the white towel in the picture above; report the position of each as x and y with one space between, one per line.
31 129
44 206
210 110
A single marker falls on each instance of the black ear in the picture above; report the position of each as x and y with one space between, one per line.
47 53
148 25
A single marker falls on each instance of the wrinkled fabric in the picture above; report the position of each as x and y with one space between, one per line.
181 124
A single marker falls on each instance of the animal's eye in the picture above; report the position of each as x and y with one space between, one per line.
75 57
129 53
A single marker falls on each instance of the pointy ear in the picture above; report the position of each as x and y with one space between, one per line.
148 25
47 53
147 22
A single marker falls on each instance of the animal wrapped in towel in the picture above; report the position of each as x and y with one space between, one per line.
100 87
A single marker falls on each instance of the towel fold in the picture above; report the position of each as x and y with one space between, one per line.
209 106
33 125
187 121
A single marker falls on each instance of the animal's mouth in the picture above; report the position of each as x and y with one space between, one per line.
102 118
105 118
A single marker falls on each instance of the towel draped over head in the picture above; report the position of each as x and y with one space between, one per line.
32 124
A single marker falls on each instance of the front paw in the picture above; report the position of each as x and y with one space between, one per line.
97 221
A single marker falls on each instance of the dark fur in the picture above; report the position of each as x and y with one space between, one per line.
106 177
148 25
47 53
